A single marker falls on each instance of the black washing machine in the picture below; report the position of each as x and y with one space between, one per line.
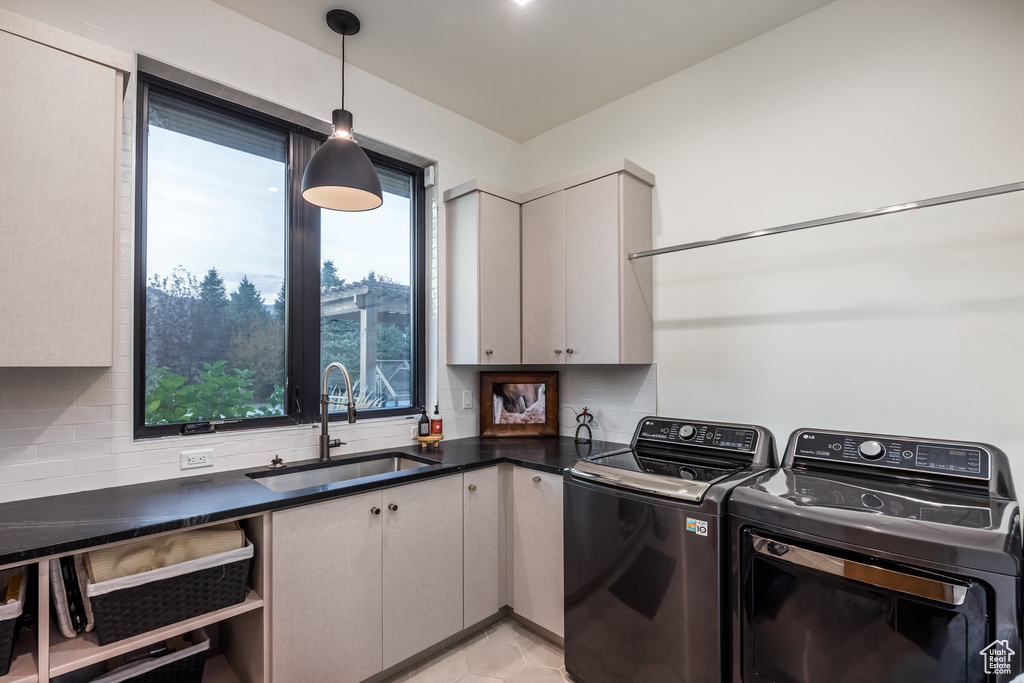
876 559
645 541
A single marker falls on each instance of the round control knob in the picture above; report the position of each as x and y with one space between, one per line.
687 432
870 500
871 450
687 473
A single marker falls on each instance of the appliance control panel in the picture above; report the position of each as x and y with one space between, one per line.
955 459
708 435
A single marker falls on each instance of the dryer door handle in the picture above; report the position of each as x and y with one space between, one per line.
923 587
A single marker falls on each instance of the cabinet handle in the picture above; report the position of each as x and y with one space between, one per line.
536 480
375 510
472 487
489 351
568 350
558 351
392 507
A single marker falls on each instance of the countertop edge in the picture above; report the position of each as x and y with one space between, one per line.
264 500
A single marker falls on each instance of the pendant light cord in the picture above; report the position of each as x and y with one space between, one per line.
342 70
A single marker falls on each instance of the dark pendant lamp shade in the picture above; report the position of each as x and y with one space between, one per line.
339 175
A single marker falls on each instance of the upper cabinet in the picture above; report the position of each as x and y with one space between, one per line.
575 297
483 276
584 301
59 187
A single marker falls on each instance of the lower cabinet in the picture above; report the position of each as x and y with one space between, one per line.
363 582
484 542
327 616
422 566
538 592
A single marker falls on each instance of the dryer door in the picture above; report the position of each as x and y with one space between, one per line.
811 614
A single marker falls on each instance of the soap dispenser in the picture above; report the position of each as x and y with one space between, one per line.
435 423
423 426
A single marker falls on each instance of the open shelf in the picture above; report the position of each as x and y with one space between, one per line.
218 671
24 668
68 654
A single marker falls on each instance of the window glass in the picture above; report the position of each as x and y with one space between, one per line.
215 248
366 273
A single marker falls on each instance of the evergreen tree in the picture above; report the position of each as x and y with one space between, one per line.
211 290
329 276
210 335
246 308
279 303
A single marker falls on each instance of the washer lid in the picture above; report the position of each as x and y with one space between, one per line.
912 522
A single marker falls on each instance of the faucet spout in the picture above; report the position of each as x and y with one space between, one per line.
326 442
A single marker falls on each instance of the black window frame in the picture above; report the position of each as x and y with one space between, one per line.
302 276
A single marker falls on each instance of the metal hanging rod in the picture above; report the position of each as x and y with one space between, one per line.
844 218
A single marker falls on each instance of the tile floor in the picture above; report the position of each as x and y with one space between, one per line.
505 652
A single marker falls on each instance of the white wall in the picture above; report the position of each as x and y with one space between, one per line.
909 324
65 430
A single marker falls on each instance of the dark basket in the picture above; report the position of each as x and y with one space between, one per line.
8 634
187 670
131 611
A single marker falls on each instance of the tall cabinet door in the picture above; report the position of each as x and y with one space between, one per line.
484 541
592 275
544 280
538 592
60 151
326 600
422 566
500 329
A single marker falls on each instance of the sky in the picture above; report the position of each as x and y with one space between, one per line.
210 206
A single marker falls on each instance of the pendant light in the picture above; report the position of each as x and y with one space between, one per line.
339 175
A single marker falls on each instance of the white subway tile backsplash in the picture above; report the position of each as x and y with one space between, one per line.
19 491
72 450
18 455
85 482
36 435
105 463
74 415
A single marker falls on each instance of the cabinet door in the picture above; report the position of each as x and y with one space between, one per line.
544 280
499 279
326 598
537 581
61 116
422 566
483 538
592 261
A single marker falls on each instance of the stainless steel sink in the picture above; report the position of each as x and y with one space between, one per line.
336 471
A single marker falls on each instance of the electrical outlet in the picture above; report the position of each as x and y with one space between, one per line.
200 457
467 399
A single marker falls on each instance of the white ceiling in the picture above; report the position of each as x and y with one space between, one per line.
522 72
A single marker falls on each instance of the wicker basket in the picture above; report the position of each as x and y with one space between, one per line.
10 620
185 666
169 595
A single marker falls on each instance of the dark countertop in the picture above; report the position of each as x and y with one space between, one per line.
38 527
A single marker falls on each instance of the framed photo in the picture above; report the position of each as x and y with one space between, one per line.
518 404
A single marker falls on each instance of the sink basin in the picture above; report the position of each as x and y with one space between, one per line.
350 470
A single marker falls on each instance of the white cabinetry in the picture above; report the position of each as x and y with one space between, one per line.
537 579
327 602
483 277
60 110
422 566
484 539
364 582
583 300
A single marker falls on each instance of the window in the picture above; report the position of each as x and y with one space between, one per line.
245 292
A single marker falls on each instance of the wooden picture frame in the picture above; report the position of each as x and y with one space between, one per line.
518 404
